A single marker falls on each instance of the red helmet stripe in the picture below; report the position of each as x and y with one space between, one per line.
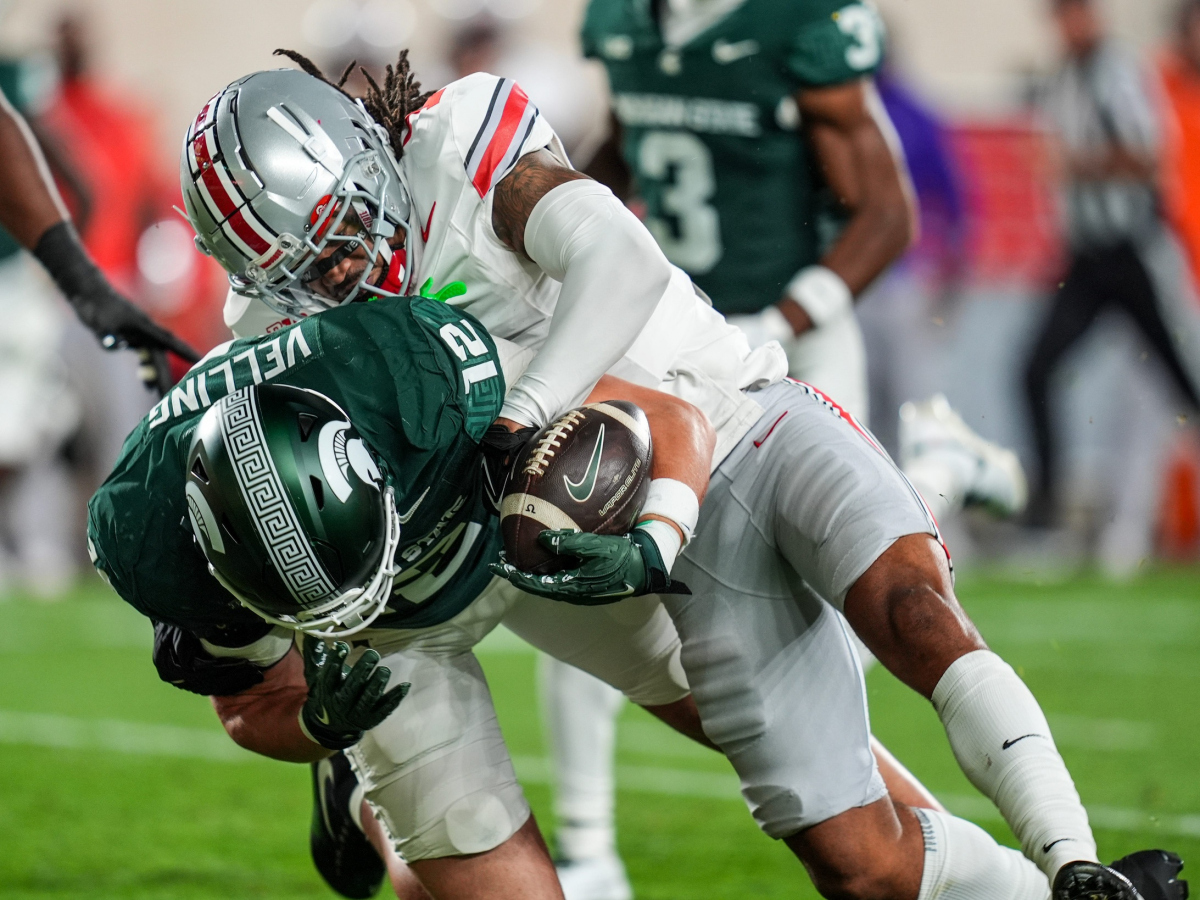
241 231
207 114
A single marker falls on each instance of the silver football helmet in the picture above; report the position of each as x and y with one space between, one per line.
278 167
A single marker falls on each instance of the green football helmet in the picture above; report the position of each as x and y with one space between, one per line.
291 510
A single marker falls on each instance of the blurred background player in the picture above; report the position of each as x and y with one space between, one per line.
40 351
1121 257
39 409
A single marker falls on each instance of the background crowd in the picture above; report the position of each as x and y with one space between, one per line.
1051 297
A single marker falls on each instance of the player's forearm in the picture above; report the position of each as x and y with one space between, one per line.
883 218
29 202
265 718
866 174
613 276
684 439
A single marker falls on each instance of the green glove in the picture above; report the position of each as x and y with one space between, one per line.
610 568
449 292
345 702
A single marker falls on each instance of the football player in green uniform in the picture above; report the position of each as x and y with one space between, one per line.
355 435
752 133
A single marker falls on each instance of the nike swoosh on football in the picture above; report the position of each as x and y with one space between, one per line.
1008 744
581 490
412 509
725 52
425 230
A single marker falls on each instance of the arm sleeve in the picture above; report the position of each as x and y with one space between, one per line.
837 44
613 276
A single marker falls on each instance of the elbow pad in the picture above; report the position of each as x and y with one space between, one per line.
613 275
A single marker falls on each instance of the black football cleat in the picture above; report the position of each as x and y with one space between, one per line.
1155 874
1082 880
340 851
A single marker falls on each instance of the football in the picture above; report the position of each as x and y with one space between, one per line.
589 470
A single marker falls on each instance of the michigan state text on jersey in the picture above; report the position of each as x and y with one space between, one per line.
710 132
420 380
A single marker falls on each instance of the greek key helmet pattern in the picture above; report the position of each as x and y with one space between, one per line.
264 495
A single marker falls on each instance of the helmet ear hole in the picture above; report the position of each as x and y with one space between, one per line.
199 471
318 489
307 421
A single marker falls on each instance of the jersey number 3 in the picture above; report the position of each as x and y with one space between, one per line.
693 240
861 24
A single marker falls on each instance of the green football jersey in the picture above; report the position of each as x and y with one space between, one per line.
711 133
420 381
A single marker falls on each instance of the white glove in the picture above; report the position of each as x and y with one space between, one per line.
763 327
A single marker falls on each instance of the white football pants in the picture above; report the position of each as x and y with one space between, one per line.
580 711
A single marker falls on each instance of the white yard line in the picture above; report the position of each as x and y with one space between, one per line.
44 730
139 738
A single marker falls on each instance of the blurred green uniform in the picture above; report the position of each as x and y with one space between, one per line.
711 133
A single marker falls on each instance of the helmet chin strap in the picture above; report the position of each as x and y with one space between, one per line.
394 279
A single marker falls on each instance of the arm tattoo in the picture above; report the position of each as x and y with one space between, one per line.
534 176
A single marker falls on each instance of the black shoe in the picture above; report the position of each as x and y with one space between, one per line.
340 851
1081 880
1154 873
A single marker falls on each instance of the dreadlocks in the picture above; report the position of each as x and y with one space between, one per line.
388 105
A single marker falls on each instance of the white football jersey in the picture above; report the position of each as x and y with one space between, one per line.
460 144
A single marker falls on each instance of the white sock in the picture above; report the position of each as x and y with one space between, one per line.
962 862
580 713
1003 744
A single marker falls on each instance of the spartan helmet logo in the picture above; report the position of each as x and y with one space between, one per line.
204 521
340 454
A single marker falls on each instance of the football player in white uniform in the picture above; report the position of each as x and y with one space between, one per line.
455 148
481 194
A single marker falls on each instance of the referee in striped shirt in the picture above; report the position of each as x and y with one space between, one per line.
1101 113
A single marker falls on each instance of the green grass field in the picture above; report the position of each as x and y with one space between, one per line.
113 784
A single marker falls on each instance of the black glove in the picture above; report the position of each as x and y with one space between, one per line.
112 318
502 450
181 660
343 703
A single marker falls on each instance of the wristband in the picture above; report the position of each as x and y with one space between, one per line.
674 500
821 293
666 540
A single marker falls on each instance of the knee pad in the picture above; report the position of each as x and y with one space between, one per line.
472 823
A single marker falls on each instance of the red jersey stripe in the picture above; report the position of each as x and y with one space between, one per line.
498 147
